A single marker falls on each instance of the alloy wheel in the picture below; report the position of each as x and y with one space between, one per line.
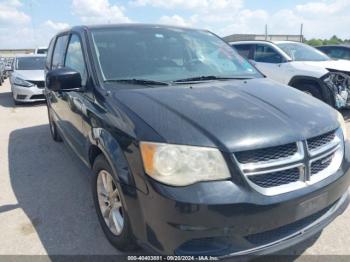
110 202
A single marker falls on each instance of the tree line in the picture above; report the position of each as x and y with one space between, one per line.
334 40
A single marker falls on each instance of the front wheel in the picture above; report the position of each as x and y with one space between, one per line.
110 207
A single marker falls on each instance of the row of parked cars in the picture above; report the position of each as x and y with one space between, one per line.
194 150
27 75
5 68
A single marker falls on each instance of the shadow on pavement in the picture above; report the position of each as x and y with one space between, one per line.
53 188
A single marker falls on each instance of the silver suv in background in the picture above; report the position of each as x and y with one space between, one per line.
27 79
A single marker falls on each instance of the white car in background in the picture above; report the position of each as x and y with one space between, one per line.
40 51
27 79
301 66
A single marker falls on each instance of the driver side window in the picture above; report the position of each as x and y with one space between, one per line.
75 58
266 54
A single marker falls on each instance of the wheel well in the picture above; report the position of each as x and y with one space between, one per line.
94 152
299 82
304 81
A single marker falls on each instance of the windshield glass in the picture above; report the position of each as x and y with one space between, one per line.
30 63
302 52
166 54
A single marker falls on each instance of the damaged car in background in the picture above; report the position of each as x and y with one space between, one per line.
301 66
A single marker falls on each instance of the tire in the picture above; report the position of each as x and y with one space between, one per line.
310 89
53 127
123 239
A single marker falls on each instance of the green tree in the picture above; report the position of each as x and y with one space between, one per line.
314 42
334 40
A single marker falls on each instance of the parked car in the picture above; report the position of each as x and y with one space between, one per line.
8 66
27 79
40 51
301 66
2 71
194 152
336 51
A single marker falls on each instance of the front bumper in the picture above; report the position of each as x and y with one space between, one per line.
27 94
223 219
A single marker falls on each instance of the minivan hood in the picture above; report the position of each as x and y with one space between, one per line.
30 75
340 65
231 115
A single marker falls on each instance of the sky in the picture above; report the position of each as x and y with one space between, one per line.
32 23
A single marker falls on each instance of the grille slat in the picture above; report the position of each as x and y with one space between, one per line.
266 154
39 84
276 178
281 232
319 141
37 97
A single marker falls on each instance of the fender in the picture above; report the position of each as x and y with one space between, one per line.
132 192
115 156
326 92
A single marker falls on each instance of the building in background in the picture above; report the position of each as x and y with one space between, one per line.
13 52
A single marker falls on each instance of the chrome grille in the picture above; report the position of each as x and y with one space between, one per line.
39 84
277 178
292 166
266 154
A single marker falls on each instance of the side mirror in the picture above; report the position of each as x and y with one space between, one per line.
63 79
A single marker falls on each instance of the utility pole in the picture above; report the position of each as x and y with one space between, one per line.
301 33
266 32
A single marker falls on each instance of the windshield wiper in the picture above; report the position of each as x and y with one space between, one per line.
204 78
138 81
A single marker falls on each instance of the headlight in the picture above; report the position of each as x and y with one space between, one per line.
183 165
342 125
20 82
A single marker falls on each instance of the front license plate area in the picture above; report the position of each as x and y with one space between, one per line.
311 206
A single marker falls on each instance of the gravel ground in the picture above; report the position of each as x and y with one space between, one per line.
45 198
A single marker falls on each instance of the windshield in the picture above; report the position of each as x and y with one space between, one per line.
163 54
30 63
302 52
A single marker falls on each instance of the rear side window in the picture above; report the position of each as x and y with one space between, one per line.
58 53
266 54
339 53
243 50
324 49
75 57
